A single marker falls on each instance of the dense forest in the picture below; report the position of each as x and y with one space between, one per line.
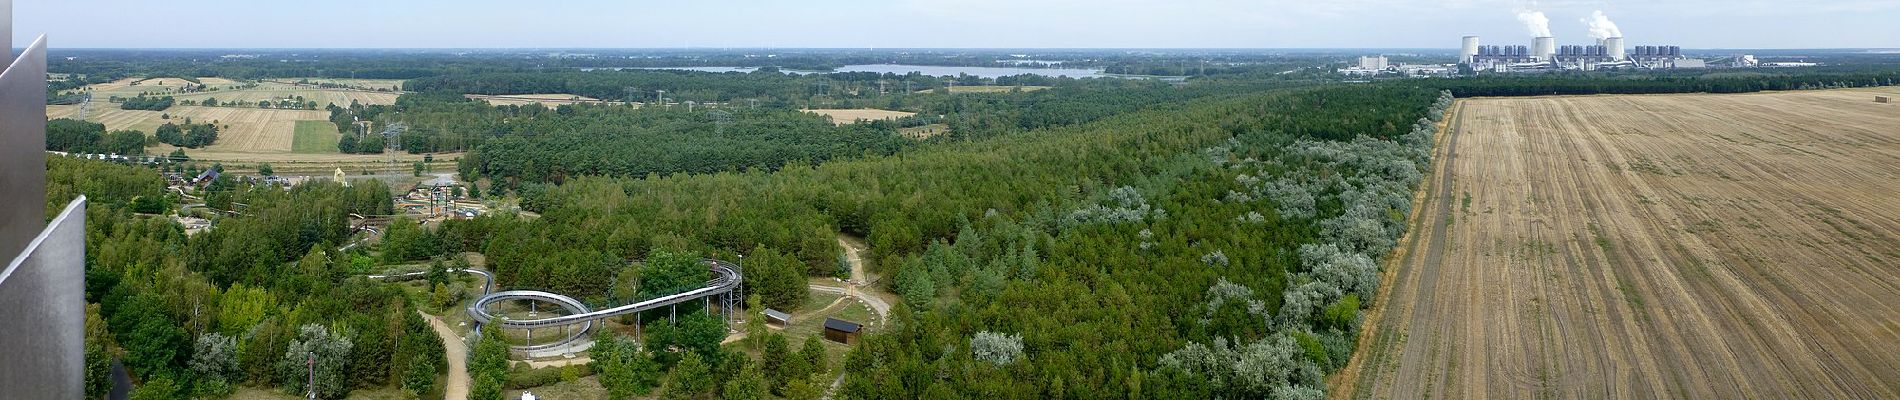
105 65
1149 243
767 86
1215 238
613 140
193 316
534 143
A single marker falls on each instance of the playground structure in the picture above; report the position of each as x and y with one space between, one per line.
727 285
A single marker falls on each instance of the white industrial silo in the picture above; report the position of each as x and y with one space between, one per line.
1544 48
1470 50
1614 46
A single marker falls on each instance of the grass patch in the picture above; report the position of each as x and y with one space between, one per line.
1596 233
315 137
1630 294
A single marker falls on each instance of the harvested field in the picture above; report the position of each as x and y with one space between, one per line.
392 163
371 84
546 99
239 129
131 87
273 91
851 116
1666 246
217 82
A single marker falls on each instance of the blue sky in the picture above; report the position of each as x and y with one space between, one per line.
953 24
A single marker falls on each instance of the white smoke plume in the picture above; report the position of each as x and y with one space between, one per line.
1601 27
1535 22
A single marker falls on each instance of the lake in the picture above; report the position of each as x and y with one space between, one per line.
985 72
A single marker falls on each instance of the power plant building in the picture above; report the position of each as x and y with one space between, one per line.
1544 54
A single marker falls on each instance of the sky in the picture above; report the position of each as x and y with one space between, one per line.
941 24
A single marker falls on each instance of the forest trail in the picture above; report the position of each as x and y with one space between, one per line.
854 249
457 354
1437 186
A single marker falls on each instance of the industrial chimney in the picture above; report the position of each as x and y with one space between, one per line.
1544 48
1614 46
1469 52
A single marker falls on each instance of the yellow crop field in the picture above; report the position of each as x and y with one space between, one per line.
273 91
851 116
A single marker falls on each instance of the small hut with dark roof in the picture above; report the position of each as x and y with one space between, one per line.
842 331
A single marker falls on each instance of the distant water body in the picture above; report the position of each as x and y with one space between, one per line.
932 70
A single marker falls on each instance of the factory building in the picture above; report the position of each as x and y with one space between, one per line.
1372 62
1499 58
1367 66
1582 57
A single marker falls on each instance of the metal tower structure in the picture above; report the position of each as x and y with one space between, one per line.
733 300
43 283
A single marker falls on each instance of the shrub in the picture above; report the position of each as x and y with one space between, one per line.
997 348
518 380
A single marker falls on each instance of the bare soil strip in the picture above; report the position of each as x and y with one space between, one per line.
1672 246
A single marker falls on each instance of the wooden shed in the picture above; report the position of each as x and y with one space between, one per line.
776 318
842 331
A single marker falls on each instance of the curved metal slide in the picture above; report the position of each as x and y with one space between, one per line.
728 279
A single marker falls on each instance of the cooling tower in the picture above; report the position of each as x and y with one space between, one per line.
1470 50
1544 48
1615 47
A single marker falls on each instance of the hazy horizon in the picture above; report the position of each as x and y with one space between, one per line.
968 24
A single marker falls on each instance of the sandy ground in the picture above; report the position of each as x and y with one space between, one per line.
1669 246
457 353
548 99
388 84
989 89
850 116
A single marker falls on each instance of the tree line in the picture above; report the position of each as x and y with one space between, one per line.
246 303
143 102
1670 82
75 136
187 135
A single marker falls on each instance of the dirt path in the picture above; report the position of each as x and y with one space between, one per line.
877 304
854 249
457 354
1673 246
1437 186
